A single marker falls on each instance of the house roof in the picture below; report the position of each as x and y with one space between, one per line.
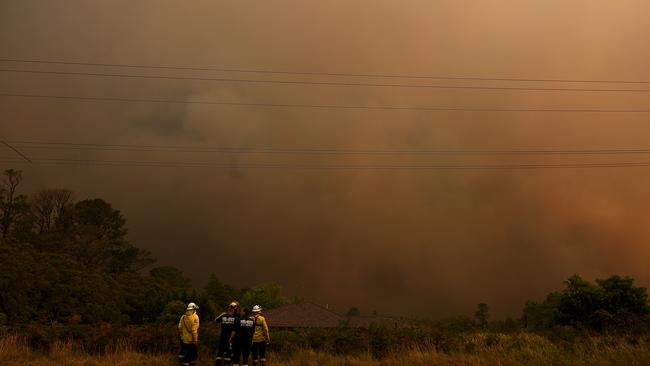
303 315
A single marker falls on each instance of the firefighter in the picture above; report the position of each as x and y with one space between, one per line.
188 329
227 321
242 337
260 337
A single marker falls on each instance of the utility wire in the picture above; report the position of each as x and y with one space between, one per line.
16 151
325 106
365 75
135 163
322 83
311 151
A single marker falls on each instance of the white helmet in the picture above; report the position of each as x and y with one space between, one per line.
257 309
192 306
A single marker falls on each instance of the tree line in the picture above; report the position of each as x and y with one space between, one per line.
69 261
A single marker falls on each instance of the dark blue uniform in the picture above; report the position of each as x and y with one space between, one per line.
242 340
228 323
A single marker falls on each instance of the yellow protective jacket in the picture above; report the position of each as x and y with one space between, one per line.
261 329
188 327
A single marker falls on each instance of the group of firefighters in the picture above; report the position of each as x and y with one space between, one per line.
243 332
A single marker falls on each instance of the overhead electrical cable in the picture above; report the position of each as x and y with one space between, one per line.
313 73
142 163
311 151
323 83
326 106
13 148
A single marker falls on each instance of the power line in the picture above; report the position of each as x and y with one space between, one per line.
313 151
261 71
325 106
16 151
163 164
322 83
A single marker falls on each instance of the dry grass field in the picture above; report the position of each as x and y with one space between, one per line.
520 349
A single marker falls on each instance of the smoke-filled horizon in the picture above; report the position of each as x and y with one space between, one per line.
411 241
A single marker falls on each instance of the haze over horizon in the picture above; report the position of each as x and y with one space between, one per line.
404 241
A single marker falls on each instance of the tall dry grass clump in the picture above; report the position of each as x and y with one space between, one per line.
496 350
12 347
475 349
14 351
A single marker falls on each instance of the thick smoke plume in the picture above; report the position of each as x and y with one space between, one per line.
398 241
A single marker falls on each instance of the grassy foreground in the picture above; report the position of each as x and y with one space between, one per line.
514 349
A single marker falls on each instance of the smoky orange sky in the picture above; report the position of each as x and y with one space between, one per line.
434 242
